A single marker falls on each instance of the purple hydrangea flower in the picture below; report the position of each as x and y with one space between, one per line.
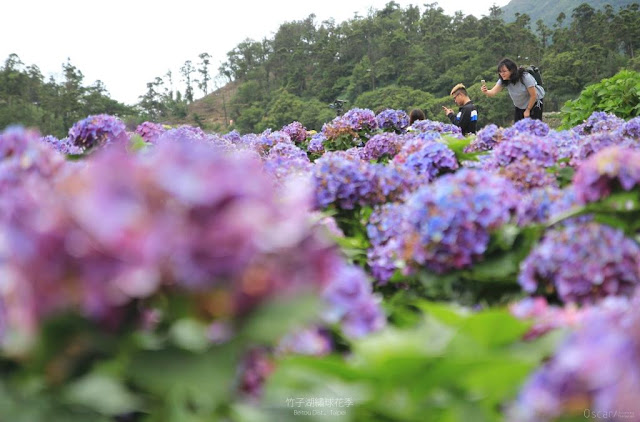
535 206
341 180
583 262
316 144
591 144
150 131
296 131
485 139
98 130
433 126
355 123
631 128
610 169
351 303
426 157
313 341
526 175
447 223
393 120
527 126
61 145
539 150
599 121
382 145
23 154
286 159
594 372
383 231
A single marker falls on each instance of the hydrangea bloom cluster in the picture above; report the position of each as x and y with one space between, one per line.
599 121
286 159
342 180
391 120
181 216
233 136
391 182
526 175
594 373
354 123
485 139
256 366
383 231
267 139
631 128
150 131
62 145
296 131
24 154
527 126
433 126
98 130
546 317
540 151
351 303
426 157
448 223
382 145
566 141
610 169
314 341
536 205
583 262
316 144
590 144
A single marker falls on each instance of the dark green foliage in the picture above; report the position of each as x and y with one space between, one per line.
548 10
50 106
619 95
411 57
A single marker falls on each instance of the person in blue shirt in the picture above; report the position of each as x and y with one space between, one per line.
467 117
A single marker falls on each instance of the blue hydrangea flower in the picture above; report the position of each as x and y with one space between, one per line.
599 121
391 120
527 126
448 223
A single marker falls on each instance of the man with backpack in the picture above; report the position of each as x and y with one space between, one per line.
524 90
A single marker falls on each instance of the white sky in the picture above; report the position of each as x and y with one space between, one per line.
127 43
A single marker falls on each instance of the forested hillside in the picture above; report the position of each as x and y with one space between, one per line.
28 99
548 10
411 57
392 58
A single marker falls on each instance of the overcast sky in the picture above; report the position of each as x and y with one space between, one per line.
127 43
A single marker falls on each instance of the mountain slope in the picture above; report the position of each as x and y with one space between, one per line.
548 10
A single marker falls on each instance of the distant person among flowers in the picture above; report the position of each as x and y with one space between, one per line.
467 117
524 91
415 115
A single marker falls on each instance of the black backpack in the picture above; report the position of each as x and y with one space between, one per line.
535 72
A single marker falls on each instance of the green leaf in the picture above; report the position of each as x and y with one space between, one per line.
189 334
105 394
280 316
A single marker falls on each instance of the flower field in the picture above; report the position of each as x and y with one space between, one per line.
371 271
